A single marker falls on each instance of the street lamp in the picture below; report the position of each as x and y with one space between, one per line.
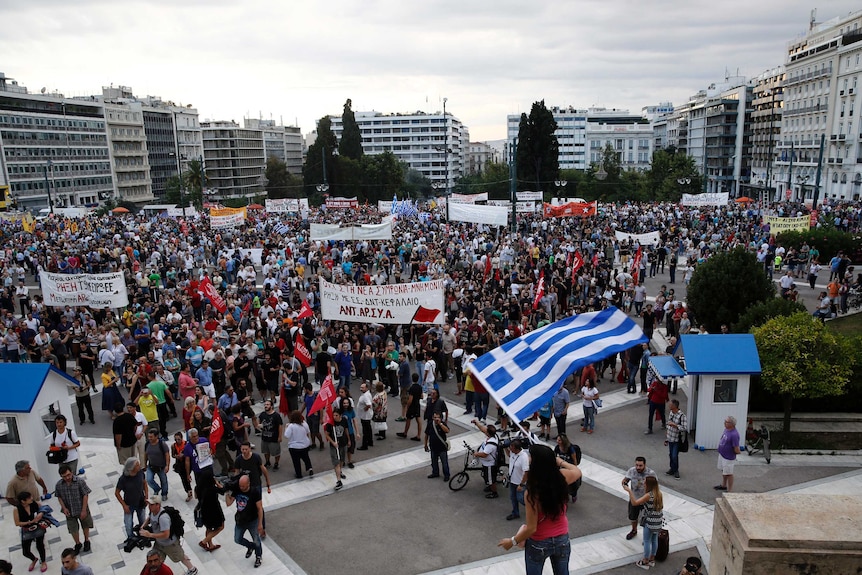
323 188
601 174
561 184
802 180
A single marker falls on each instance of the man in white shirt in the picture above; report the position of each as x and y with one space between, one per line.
519 466
365 411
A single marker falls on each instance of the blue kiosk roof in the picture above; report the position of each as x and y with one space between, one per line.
720 354
666 366
24 382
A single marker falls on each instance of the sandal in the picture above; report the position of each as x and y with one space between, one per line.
213 548
189 497
204 545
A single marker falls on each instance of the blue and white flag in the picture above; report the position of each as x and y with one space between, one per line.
523 374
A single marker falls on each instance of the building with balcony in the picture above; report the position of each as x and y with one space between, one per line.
50 143
129 155
479 155
433 144
767 104
821 104
234 159
582 135
282 142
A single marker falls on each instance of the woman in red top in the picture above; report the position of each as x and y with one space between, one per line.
546 533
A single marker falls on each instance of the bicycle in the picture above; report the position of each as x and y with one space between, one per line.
472 463
757 440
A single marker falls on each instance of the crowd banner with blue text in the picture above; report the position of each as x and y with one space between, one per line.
714 199
285 205
523 374
650 238
778 225
93 290
491 215
468 198
407 303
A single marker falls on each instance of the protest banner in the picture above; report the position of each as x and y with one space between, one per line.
93 290
650 238
491 215
715 199
342 203
778 225
582 209
418 302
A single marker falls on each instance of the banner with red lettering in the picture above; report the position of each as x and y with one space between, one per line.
417 302
211 294
216 429
571 209
300 350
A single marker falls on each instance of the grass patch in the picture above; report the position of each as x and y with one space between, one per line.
848 325
825 442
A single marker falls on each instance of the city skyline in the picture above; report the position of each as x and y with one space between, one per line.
297 63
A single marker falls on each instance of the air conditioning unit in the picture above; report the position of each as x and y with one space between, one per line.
833 137
842 136
831 160
841 92
839 160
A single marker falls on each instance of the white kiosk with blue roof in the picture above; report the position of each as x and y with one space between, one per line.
719 369
33 395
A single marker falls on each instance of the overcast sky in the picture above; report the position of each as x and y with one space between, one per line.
298 61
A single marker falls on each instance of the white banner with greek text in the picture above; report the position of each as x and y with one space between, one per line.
716 199
418 302
491 215
93 290
643 239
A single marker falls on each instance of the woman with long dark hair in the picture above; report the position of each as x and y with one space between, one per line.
653 503
546 533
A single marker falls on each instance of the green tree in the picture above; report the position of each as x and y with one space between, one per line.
382 176
759 313
726 285
319 165
281 183
801 359
351 138
667 168
416 184
538 149
494 180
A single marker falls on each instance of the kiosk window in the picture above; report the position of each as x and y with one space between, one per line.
725 391
9 431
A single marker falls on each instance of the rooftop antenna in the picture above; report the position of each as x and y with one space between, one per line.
813 21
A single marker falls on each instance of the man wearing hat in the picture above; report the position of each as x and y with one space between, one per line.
159 531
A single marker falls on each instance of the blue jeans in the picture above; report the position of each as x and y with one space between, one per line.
128 517
556 548
589 418
516 498
650 543
444 462
238 532
673 452
163 480
482 402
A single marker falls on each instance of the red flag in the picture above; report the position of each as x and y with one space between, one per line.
209 290
217 429
540 290
425 315
301 351
306 310
577 262
325 397
329 419
595 260
487 268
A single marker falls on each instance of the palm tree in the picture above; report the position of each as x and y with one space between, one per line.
195 180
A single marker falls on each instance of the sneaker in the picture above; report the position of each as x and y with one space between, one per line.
648 432
643 564
257 561
338 486
492 495
433 476
87 547
249 553
267 465
343 476
720 488
275 467
165 497
401 435
487 489
446 478
652 563
676 475
310 472
192 571
350 465
400 419
78 547
668 472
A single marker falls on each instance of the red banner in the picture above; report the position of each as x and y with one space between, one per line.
577 262
581 209
342 203
210 292
216 430
306 310
325 397
540 290
636 265
812 222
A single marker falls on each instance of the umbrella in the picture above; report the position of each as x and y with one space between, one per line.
120 210
744 200
255 207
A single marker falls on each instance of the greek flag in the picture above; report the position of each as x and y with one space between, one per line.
523 374
280 229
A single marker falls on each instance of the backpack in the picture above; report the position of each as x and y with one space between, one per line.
178 524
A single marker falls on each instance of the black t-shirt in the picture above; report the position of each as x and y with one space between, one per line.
436 437
125 425
132 487
246 504
252 465
269 424
322 360
242 366
416 393
341 432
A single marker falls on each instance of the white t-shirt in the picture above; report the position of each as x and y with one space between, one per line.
589 394
363 402
68 437
519 464
297 435
489 447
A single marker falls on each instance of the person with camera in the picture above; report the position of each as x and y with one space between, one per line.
27 516
249 517
71 565
131 492
64 439
159 523
487 454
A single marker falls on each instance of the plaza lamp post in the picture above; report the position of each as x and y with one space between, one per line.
561 184
802 181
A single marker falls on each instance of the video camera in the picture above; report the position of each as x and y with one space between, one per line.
137 541
230 482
